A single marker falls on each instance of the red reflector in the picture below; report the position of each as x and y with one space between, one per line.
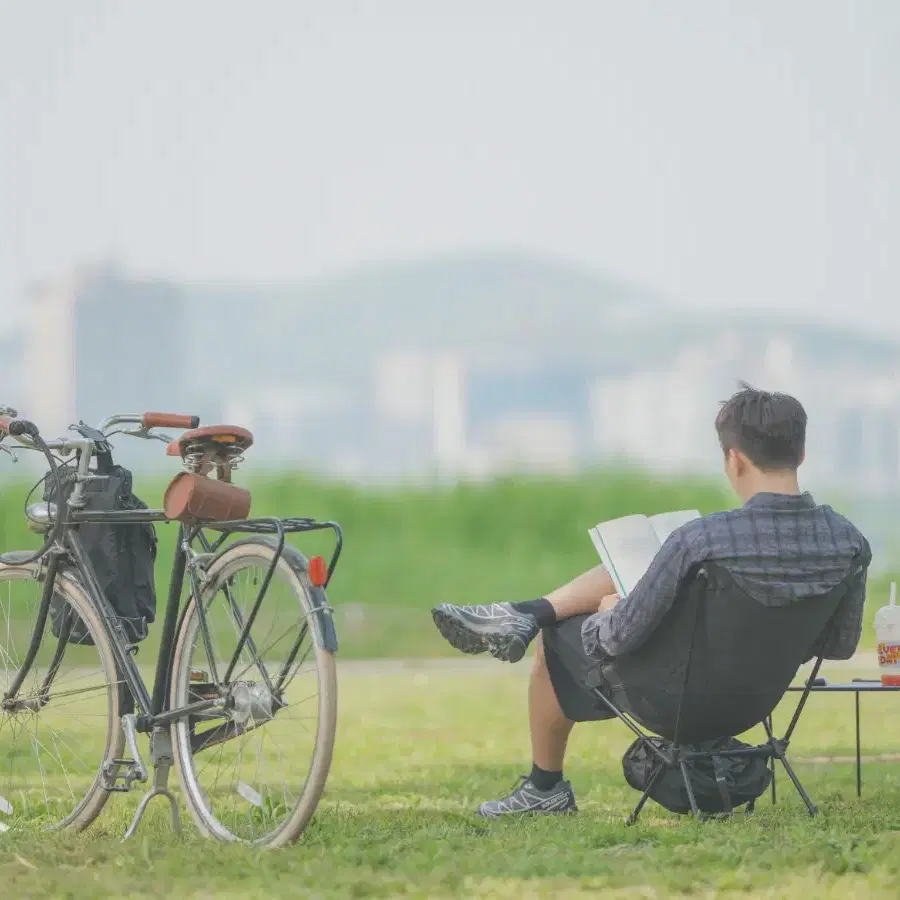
318 571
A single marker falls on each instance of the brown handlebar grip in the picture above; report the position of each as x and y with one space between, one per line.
170 420
4 424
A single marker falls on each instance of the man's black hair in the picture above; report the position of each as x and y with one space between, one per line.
768 428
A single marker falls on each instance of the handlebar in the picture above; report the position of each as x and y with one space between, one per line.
28 435
19 427
151 420
169 420
22 428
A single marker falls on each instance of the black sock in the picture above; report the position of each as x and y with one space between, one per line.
542 779
542 609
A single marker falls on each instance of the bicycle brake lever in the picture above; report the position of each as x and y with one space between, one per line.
11 453
148 435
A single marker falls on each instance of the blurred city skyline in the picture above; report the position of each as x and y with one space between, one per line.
735 156
468 365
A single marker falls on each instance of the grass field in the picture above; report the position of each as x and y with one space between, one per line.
420 745
408 549
418 749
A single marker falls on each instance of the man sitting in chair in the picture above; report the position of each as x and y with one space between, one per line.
779 546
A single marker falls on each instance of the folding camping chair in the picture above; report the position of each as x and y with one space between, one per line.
718 665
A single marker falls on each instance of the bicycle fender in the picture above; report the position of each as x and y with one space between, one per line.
323 622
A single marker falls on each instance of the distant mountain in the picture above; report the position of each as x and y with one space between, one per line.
487 306
475 303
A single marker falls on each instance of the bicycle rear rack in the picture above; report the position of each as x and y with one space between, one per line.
278 527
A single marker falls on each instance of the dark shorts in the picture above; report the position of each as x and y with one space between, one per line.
573 673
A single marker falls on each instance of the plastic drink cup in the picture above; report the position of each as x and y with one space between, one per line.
887 634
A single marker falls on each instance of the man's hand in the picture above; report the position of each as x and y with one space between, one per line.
608 602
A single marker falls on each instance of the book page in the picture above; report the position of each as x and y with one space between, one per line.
665 523
626 547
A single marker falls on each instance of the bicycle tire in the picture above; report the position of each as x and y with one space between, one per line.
89 805
291 570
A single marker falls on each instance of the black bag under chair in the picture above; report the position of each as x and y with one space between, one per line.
717 666
720 784
122 555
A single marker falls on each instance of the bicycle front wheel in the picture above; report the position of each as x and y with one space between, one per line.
62 725
254 771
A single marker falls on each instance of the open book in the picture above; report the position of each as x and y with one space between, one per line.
627 545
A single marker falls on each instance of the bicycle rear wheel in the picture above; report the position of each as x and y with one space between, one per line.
255 771
62 726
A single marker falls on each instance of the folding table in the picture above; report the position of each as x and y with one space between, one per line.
856 687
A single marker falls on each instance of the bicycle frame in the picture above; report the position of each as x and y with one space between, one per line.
155 710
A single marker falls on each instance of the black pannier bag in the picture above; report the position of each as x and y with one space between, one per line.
122 556
718 782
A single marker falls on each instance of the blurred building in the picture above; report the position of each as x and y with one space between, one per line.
663 418
97 343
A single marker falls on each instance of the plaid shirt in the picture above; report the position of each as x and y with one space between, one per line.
777 547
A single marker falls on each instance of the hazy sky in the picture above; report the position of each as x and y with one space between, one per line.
726 153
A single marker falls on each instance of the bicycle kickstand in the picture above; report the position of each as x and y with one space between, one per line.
161 759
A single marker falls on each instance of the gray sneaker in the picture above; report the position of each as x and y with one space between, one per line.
526 798
496 627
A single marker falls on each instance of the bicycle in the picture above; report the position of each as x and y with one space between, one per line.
232 670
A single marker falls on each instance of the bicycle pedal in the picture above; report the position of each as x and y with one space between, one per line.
119 775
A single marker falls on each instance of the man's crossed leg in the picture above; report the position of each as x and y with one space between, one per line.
505 630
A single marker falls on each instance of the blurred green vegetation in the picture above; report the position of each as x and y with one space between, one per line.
408 548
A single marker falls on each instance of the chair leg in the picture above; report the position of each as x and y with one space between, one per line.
690 790
810 806
645 796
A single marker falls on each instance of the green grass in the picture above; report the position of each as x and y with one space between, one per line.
418 749
408 549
